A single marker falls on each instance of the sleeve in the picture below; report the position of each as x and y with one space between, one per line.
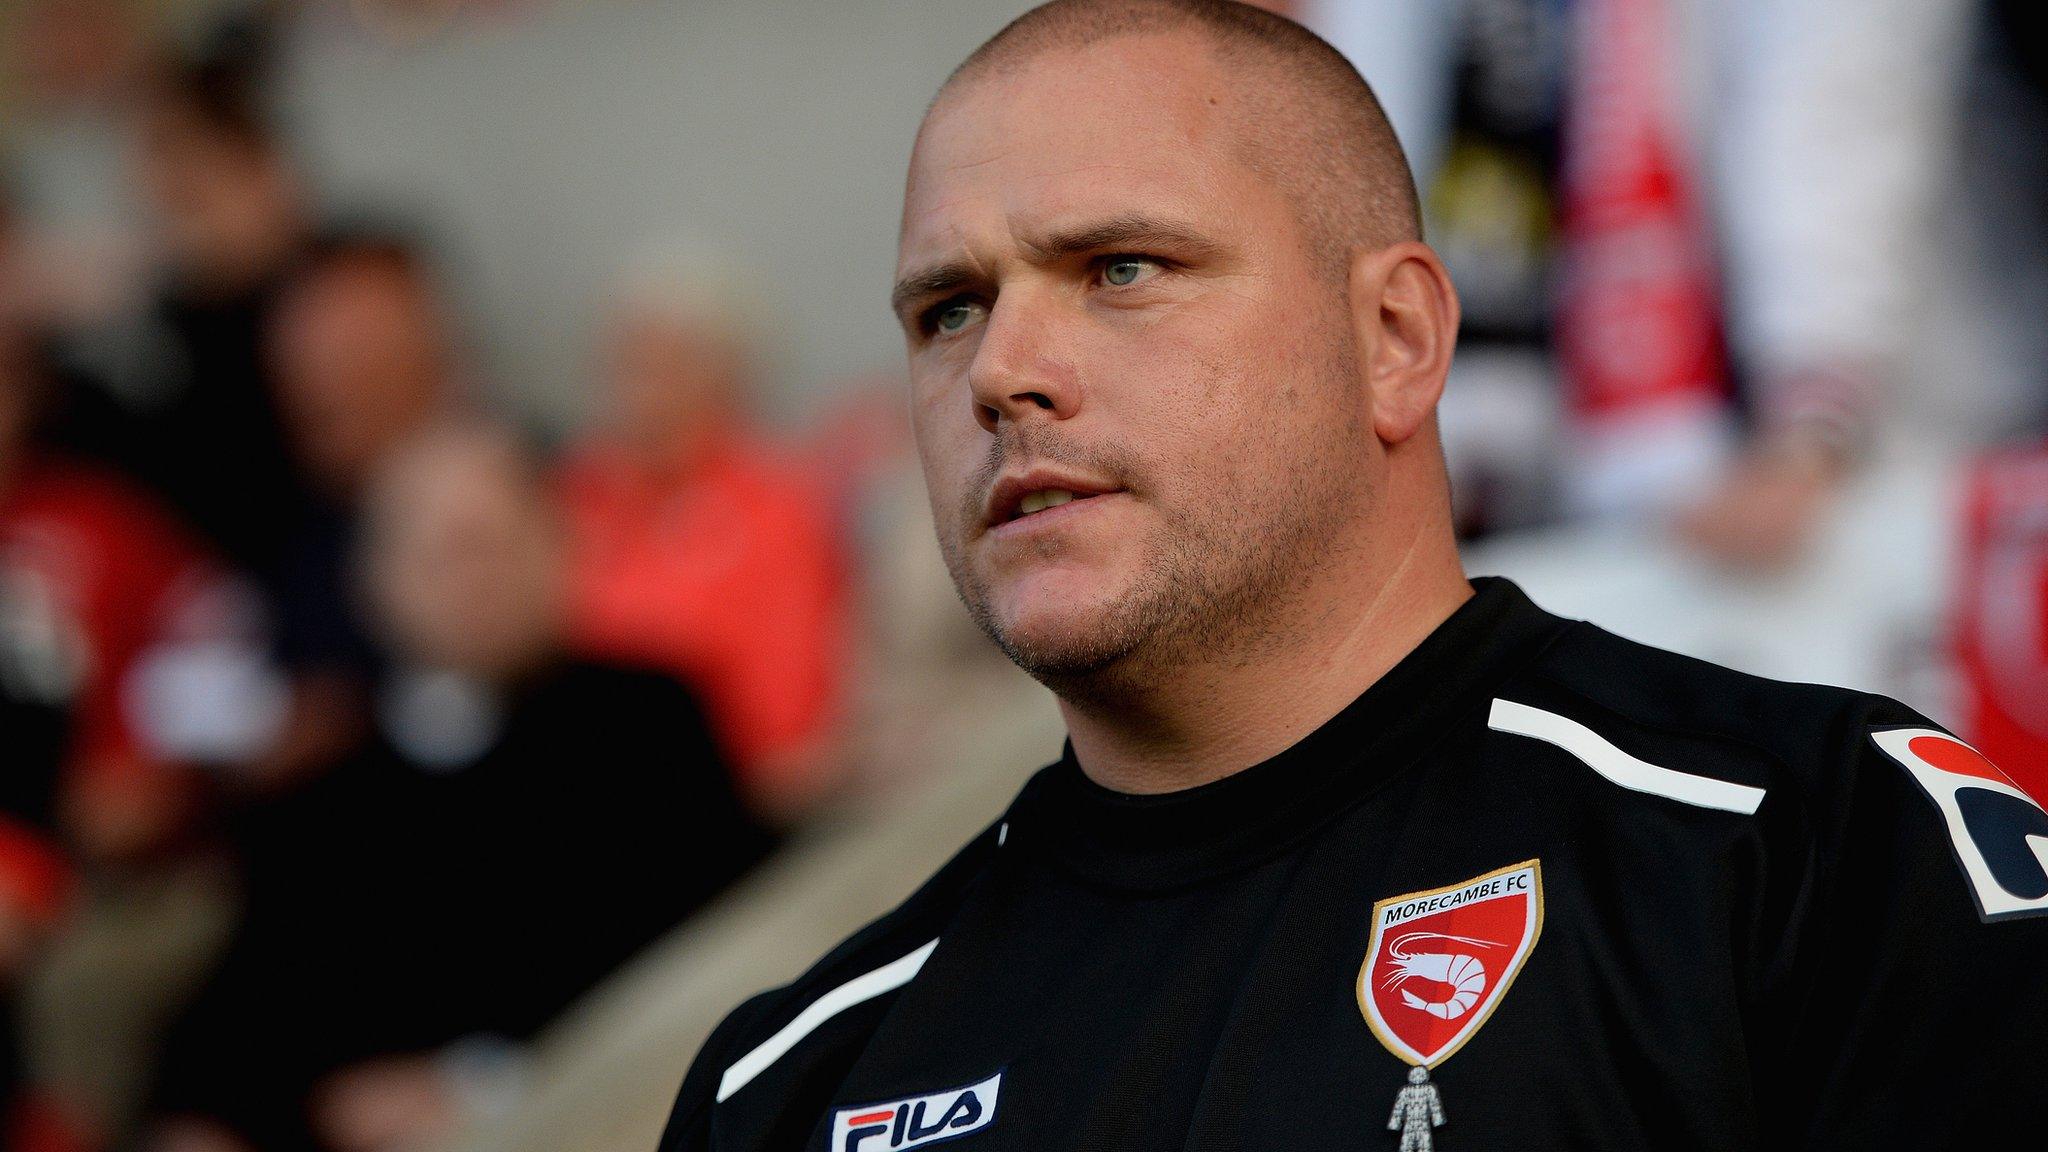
155 574
689 1122
36 878
1914 1013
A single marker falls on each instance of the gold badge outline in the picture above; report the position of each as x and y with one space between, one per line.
1372 949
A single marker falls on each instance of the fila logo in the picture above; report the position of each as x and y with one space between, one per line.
918 1121
1998 832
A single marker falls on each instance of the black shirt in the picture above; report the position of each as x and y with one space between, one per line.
397 905
194 418
1609 897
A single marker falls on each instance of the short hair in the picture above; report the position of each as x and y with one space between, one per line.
222 96
685 280
386 245
1320 132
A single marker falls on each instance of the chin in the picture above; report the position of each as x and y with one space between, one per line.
1059 654
1063 637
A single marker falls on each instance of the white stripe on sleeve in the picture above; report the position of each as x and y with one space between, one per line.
1618 766
889 977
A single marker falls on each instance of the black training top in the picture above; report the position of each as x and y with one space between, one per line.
1538 887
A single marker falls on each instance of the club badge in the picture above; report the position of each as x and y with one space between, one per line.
1436 967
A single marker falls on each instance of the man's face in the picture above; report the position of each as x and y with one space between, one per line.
359 359
465 567
1101 298
670 380
216 198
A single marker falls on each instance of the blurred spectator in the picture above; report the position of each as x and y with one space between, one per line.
1999 619
120 583
186 407
1614 183
145 647
696 547
525 822
78 64
42 670
40 674
363 357
1567 185
34 879
1840 160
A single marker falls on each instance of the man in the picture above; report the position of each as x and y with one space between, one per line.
186 405
696 546
417 914
364 357
1329 814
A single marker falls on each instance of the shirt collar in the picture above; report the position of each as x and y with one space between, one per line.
1152 842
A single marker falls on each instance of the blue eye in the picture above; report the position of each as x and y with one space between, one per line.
950 318
1122 271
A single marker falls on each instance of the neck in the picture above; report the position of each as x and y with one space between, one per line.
683 450
1221 713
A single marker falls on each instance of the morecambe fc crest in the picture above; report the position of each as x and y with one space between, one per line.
1439 961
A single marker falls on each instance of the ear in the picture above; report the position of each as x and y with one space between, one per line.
1404 314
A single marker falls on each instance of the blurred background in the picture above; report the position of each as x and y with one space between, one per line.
468 613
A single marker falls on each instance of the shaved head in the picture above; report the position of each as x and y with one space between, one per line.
1306 119
1175 344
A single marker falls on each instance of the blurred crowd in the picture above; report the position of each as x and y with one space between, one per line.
1715 255
354 728
338 710
1726 264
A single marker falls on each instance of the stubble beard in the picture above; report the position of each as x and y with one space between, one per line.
1219 577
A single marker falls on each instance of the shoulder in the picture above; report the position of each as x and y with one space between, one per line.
1835 781
1595 693
620 681
623 705
89 490
130 538
1859 857
623 690
787 1026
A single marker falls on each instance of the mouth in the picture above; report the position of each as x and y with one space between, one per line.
1032 499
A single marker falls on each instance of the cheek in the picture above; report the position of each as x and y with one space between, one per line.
1189 401
950 445
1274 381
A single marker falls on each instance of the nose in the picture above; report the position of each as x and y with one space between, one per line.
1018 372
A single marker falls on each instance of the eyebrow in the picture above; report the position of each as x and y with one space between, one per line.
1123 232
1119 232
939 281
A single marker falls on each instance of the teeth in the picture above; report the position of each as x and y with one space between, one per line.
1040 501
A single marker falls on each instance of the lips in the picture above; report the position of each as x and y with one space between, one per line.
1034 492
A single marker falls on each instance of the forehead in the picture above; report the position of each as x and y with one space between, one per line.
1134 122
353 286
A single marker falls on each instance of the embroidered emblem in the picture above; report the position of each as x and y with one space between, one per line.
1437 964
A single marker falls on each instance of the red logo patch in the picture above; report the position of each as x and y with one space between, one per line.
1439 961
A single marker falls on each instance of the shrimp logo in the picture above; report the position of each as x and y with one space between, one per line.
1439 961
1460 972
